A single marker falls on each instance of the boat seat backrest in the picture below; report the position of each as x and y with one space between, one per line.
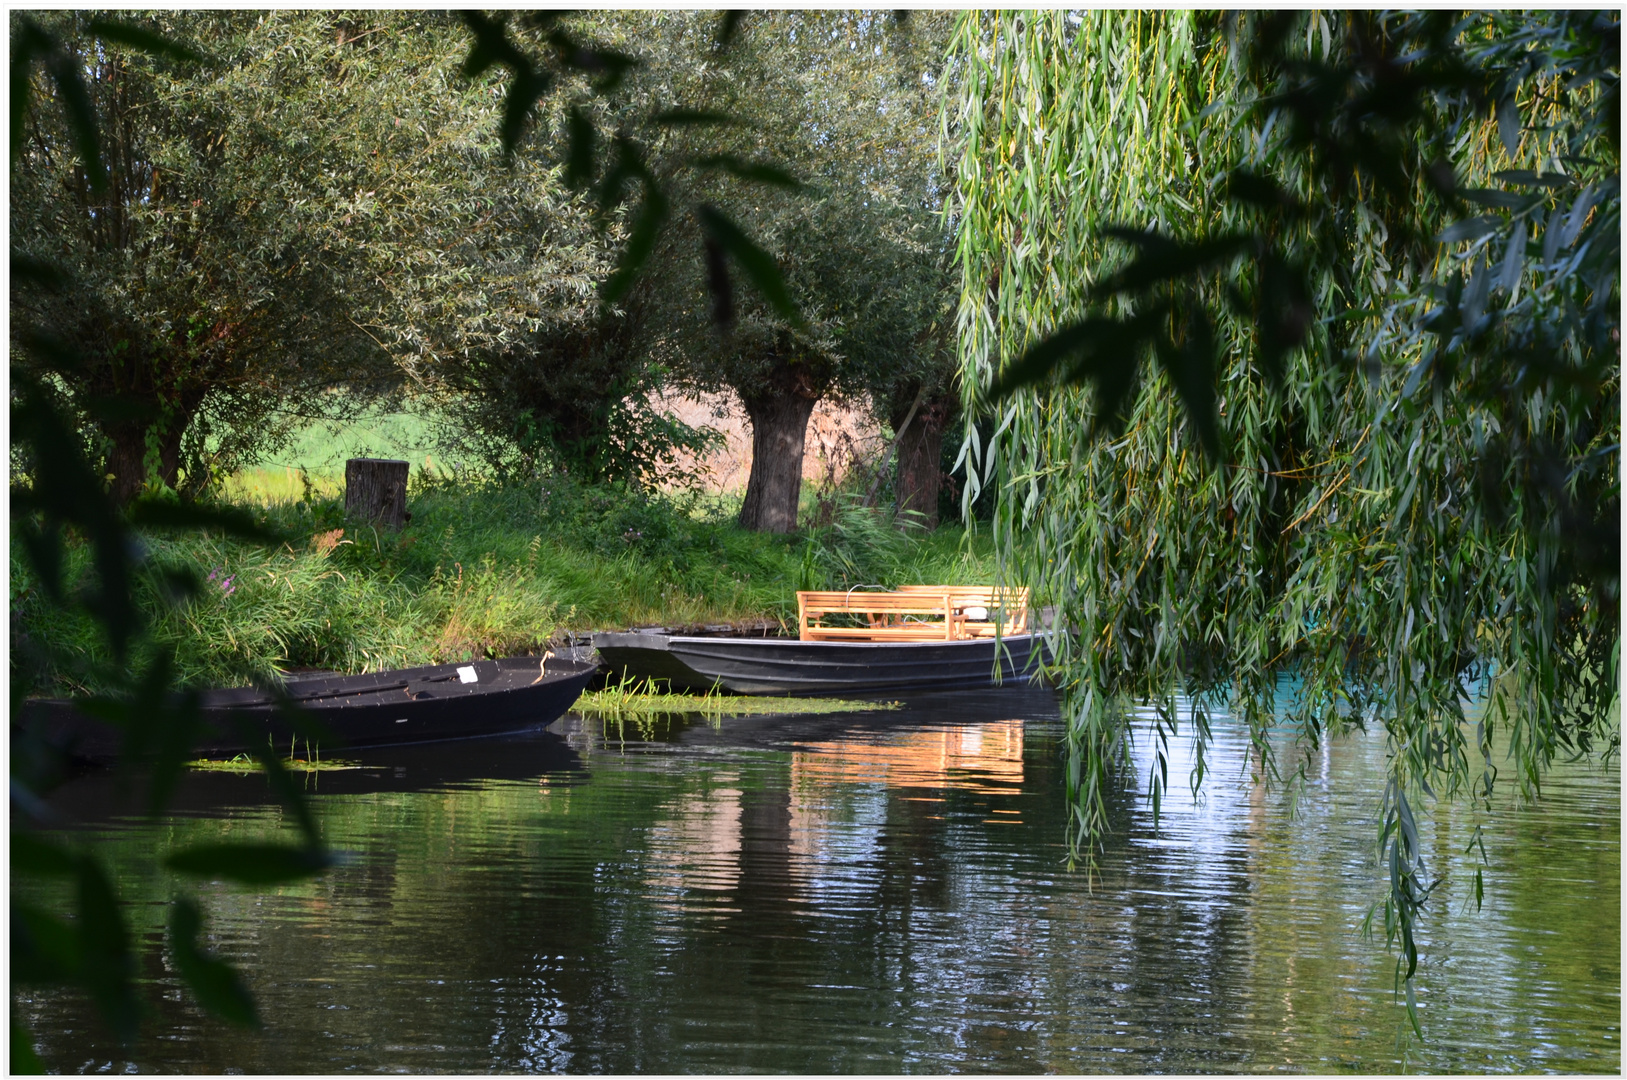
918 613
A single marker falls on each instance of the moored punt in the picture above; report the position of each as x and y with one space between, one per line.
424 704
925 637
790 666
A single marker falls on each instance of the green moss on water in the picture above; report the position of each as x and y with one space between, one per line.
243 765
621 702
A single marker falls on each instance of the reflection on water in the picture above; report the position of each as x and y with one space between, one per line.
872 892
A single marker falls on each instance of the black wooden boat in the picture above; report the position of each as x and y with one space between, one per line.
424 704
791 666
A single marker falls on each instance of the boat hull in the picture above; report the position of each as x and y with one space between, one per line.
788 666
413 705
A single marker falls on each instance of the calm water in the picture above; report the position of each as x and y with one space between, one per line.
880 892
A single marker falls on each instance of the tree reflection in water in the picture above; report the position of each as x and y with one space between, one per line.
872 892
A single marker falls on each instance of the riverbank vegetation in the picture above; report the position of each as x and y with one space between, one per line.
482 569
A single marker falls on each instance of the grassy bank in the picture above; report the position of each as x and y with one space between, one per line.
481 569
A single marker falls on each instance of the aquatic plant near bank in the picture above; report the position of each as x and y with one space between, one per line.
629 698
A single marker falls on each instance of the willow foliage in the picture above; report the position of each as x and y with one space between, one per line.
1302 339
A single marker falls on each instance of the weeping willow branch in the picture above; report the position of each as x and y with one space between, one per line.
1369 263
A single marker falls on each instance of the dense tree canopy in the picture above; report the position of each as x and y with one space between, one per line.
319 206
1374 262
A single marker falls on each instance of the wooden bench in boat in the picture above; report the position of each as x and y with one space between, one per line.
914 613
1003 607
888 616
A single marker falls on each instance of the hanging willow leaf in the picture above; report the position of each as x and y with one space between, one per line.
693 117
652 217
214 983
144 40
580 142
757 264
759 172
251 864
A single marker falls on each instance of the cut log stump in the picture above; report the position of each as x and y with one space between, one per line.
376 491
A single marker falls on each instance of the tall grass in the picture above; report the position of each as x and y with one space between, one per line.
482 569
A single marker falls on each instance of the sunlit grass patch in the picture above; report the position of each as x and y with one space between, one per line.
244 764
648 698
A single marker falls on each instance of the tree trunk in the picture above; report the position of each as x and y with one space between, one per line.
920 456
127 461
779 431
376 491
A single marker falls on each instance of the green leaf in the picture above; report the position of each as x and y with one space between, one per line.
1502 200
758 265
1508 125
652 216
40 273
1191 367
692 117
167 514
70 84
32 854
106 963
1526 176
214 982
45 947
1246 186
581 137
144 40
251 864
1163 260
1283 315
24 1061
527 82
28 41
728 25
1471 229
749 170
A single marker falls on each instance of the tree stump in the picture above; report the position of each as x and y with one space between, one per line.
376 491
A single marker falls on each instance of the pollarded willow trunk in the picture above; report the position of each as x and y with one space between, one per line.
127 459
920 460
779 412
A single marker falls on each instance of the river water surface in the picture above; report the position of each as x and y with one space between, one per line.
871 892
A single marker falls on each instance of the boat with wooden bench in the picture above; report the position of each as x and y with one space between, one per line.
911 639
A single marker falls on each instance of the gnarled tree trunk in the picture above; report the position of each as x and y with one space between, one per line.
127 460
920 456
779 410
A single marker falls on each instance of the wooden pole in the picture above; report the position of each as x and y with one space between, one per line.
376 491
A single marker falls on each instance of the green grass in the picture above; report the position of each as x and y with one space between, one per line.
625 701
481 570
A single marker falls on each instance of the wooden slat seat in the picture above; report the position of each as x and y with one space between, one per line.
915 613
1009 601
886 613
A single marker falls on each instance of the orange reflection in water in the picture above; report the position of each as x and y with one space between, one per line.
986 758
